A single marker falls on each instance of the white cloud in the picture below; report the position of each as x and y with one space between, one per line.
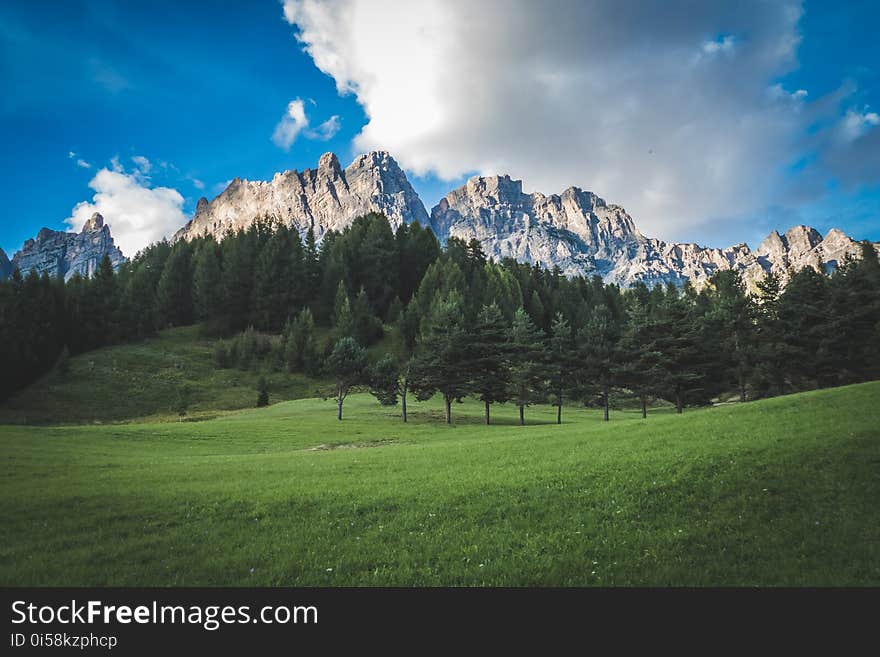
137 214
723 45
291 124
326 130
602 95
198 184
71 155
143 164
82 164
856 124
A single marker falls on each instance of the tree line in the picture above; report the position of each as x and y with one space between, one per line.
459 323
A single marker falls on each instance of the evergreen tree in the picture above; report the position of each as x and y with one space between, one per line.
561 361
207 273
598 355
730 325
440 362
174 294
388 381
347 365
674 349
300 350
527 361
636 362
771 352
277 279
365 326
238 263
311 263
343 320
490 376
262 392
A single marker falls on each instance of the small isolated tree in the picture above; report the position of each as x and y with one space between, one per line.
262 392
388 382
347 364
526 366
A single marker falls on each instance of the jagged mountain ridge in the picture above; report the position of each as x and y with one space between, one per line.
325 198
576 230
58 253
583 235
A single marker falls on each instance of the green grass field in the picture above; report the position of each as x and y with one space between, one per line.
784 491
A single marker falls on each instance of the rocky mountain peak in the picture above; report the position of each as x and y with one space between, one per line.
802 238
324 198
95 222
58 253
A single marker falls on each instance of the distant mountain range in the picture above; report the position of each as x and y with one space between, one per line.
575 230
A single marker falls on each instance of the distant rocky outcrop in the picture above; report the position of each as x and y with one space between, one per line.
583 235
325 198
5 265
59 253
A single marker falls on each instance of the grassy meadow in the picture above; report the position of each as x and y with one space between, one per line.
784 491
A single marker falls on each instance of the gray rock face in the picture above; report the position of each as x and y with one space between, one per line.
324 198
583 235
5 265
64 254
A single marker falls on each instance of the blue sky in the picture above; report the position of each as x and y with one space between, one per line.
198 90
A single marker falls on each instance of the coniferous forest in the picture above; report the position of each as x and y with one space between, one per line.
461 325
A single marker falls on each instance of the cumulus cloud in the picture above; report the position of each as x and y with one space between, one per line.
137 214
326 130
291 124
661 107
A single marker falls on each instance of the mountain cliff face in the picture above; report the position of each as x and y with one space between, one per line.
324 198
5 265
582 234
64 254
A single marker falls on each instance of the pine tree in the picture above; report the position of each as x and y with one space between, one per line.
174 294
561 361
311 264
771 351
366 327
440 362
262 392
347 365
300 351
343 321
598 355
388 381
207 273
674 349
527 361
277 280
490 376
635 368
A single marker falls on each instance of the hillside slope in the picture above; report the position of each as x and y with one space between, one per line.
777 492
